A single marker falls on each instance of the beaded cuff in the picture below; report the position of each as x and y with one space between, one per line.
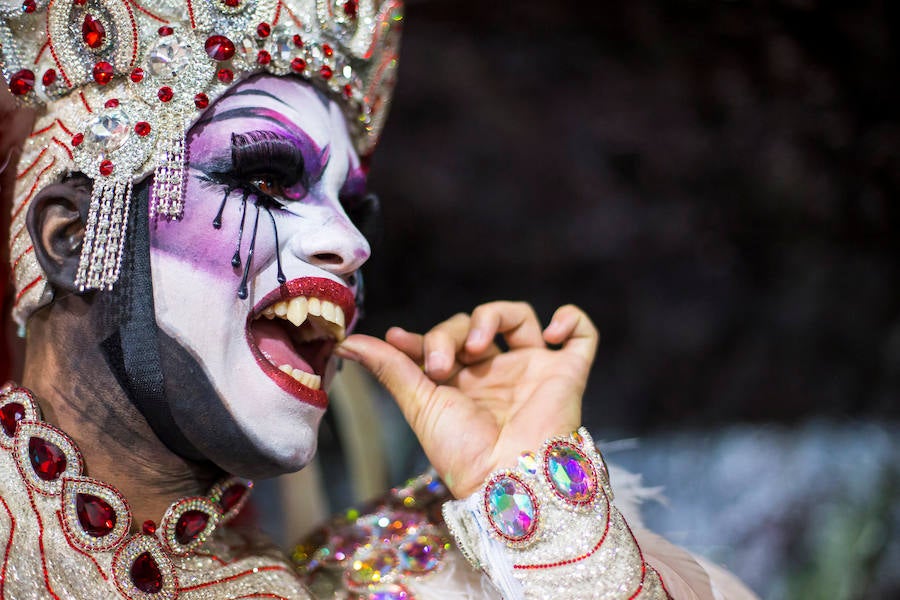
548 528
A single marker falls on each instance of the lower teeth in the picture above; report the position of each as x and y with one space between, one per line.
310 380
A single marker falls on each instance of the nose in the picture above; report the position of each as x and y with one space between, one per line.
335 246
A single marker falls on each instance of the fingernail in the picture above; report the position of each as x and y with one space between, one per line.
436 361
476 337
347 350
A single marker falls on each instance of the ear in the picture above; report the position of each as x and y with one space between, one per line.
56 221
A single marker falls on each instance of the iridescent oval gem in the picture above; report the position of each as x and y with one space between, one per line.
511 508
168 58
571 474
528 462
107 132
390 592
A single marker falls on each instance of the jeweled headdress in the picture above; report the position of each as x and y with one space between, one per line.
119 82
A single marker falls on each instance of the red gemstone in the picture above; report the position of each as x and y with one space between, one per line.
49 77
29 6
80 2
165 93
219 47
112 103
232 3
201 100
298 64
348 90
145 574
263 57
298 41
103 72
149 527
327 50
10 415
225 75
96 516
47 460
137 75
77 139
21 82
106 168
263 30
190 525
351 7
165 30
231 497
93 32
142 128
326 72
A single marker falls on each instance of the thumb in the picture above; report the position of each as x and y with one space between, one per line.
402 377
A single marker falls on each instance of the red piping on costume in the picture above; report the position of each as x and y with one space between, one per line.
41 52
12 531
79 550
21 256
190 7
262 595
85 102
33 188
62 145
233 577
277 14
53 50
293 16
41 543
28 287
39 156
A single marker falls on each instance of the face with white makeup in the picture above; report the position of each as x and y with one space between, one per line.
258 281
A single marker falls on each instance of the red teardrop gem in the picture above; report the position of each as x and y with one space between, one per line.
47 460
201 100
21 82
219 47
77 139
145 574
49 77
92 32
298 41
165 93
232 496
103 72
10 415
327 50
106 168
96 516
190 525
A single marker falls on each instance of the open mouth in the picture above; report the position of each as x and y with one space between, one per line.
292 333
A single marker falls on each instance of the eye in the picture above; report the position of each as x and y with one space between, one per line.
279 190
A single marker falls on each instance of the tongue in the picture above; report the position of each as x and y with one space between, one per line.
273 341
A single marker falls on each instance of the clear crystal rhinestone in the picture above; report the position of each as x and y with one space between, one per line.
169 58
107 132
283 52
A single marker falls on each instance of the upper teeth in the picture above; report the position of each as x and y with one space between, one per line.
297 310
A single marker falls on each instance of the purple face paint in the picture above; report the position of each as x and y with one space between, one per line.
255 280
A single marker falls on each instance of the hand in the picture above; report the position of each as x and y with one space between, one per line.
475 408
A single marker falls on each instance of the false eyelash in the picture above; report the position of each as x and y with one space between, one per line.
256 152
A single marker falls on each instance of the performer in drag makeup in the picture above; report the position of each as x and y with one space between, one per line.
188 224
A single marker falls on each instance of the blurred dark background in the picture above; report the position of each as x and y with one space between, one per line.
715 183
